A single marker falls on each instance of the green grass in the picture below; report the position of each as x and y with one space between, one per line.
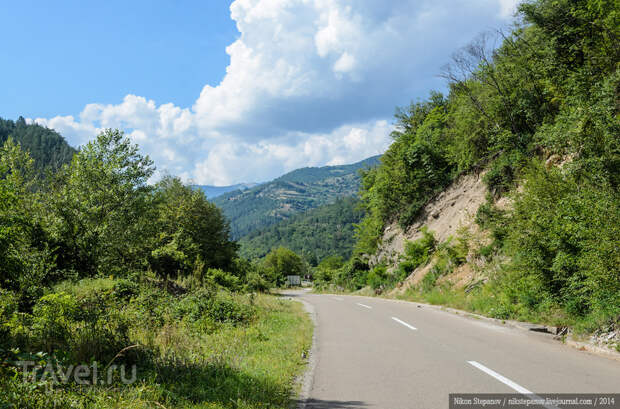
182 364
488 301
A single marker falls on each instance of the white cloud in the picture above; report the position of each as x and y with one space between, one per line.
265 159
310 82
508 7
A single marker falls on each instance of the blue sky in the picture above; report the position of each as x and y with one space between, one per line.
224 92
61 55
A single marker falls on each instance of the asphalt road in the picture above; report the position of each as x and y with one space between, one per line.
377 353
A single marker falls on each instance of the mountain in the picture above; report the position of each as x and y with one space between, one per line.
211 192
295 192
47 147
325 231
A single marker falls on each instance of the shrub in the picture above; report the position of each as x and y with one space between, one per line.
564 237
503 172
376 277
417 252
489 217
225 308
224 279
195 305
52 318
256 282
125 289
8 307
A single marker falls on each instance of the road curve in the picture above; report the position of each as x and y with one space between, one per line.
378 353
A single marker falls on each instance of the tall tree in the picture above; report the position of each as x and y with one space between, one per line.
24 257
193 235
100 206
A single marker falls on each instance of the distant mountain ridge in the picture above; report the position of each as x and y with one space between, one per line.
295 192
211 192
47 148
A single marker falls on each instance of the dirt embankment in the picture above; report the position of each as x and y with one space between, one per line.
453 208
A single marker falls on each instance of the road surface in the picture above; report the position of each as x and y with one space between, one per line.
377 353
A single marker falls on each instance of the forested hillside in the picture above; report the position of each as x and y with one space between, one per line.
303 189
316 234
48 149
539 116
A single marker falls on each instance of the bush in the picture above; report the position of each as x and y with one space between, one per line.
256 282
225 308
417 253
223 279
125 289
89 328
8 307
489 217
503 173
563 236
376 277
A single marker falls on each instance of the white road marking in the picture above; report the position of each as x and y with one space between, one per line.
507 382
500 378
404 323
338 298
364 305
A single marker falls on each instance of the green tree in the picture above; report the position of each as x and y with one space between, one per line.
101 207
564 236
282 262
325 271
25 260
192 234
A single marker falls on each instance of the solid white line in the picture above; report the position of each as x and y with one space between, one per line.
508 382
404 323
364 305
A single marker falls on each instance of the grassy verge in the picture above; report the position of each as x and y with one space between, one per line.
240 352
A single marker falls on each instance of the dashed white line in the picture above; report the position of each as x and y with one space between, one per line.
338 298
364 305
508 382
500 378
404 323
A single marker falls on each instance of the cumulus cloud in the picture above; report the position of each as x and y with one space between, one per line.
310 82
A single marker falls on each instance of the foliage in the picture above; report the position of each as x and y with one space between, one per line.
545 92
351 276
24 255
199 349
552 84
100 207
192 233
47 148
282 262
417 253
565 237
413 168
99 267
324 272
376 277
319 233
